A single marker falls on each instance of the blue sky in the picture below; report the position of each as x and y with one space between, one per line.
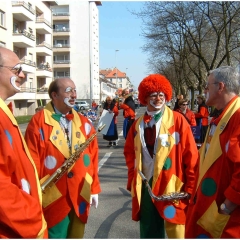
120 30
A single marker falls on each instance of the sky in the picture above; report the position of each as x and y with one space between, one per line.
120 30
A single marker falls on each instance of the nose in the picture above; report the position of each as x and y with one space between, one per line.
21 75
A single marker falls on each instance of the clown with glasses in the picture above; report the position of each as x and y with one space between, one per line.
160 144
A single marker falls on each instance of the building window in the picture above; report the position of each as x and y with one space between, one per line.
2 18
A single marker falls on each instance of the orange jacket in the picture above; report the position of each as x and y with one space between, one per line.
49 149
189 115
128 112
202 114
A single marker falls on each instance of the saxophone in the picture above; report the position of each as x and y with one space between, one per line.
173 196
51 180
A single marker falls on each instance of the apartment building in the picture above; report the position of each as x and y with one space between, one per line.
26 28
76 45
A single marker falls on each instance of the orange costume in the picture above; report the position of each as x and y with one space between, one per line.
174 167
21 196
49 149
218 179
189 115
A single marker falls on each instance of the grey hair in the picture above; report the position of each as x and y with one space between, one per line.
229 76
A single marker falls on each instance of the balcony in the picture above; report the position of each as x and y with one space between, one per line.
61 47
25 94
60 16
44 49
61 64
28 65
22 11
61 32
43 26
23 39
44 71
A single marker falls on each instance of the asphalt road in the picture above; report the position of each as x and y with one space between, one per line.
112 219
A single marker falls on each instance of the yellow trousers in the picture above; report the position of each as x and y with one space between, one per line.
174 230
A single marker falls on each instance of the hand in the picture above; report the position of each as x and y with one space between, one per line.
94 200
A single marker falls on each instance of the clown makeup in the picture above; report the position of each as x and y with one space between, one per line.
67 102
157 103
69 89
13 82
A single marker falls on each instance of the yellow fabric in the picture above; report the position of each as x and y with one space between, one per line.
61 143
174 230
212 221
14 122
86 189
76 226
214 150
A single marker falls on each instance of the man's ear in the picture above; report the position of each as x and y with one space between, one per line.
54 95
221 86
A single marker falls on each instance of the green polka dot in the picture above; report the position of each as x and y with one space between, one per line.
208 187
86 160
168 163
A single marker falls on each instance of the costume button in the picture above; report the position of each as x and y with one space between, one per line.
70 174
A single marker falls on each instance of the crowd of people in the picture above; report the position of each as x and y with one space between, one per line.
199 189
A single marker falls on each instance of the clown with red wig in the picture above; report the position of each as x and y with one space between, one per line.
160 144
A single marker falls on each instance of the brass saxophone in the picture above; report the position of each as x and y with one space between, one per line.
173 196
50 181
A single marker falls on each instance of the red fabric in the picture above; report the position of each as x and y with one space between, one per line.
225 174
183 157
149 136
189 115
128 112
203 114
39 142
69 117
21 212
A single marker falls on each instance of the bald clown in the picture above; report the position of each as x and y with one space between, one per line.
160 144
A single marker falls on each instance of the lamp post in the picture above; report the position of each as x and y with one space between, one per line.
116 65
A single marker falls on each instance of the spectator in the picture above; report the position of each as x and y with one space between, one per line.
112 134
128 107
186 112
202 117
161 145
214 209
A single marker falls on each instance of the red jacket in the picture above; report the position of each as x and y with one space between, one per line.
202 114
189 115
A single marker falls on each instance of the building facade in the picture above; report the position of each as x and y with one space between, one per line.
76 45
52 39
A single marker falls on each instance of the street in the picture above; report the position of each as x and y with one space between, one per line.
112 218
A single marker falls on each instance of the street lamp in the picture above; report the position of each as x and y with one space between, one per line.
116 65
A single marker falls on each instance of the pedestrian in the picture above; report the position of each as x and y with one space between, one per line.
20 194
202 117
214 210
161 145
52 136
112 134
128 107
186 112
94 105
176 105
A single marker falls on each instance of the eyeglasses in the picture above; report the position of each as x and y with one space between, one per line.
154 95
184 104
16 69
206 87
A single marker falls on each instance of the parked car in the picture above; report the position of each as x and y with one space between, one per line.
82 105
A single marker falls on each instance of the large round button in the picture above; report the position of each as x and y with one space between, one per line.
70 174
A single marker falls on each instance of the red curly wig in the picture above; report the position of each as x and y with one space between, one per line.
154 83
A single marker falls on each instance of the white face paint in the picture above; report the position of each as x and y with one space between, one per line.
157 106
207 96
66 101
13 82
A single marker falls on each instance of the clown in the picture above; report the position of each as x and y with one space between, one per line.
161 145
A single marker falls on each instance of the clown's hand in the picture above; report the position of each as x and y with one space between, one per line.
94 200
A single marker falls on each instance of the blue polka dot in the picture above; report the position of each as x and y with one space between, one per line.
169 212
8 136
202 236
82 207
